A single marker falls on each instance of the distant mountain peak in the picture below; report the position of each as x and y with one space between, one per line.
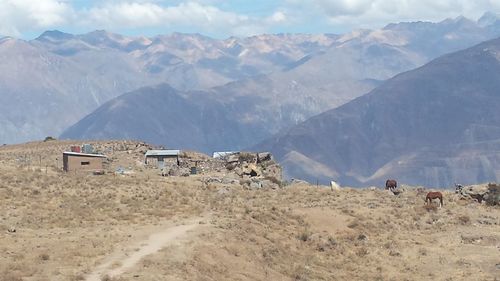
460 20
54 35
488 18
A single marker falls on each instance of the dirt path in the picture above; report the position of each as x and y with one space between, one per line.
153 244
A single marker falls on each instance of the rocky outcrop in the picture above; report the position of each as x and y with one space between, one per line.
490 193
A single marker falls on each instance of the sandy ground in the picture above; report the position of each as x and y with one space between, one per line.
119 262
145 227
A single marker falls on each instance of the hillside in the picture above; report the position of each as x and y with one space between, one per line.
260 106
163 115
141 226
434 126
51 82
286 78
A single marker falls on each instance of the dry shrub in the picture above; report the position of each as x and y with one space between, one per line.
493 195
305 235
430 208
245 182
78 277
44 257
422 251
274 180
361 252
353 224
464 219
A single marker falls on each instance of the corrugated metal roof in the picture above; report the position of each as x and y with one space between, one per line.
83 154
163 153
221 154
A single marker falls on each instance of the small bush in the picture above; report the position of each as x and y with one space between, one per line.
305 235
430 208
44 257
362 252
49 138
464 219
353 224
493 195
274 180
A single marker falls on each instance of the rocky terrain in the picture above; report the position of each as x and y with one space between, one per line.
436 126
138 225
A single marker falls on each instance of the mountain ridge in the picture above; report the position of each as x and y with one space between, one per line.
434 119
306 74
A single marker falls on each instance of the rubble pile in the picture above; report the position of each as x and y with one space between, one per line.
252 170
489 193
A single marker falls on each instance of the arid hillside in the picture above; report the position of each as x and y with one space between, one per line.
139 225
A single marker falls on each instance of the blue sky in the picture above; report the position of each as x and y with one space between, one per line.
221 19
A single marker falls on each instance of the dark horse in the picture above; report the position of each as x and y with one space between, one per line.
391 184
434 195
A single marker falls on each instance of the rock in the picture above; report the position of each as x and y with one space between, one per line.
334 185
228 180
268 184
297 181
238 171
11 229
211 180
477 192
233 158
251 170
223 191
264 156
255 185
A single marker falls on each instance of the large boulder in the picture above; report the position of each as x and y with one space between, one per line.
478 192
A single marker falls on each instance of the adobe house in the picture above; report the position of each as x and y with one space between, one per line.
162 158
75 161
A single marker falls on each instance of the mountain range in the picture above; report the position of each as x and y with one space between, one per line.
337 70
51 82
432 126
424 120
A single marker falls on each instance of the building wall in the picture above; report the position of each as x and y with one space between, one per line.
82 163
167 160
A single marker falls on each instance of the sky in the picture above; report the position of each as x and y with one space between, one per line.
221 19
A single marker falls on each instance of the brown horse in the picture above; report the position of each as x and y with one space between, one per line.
434 195
391 184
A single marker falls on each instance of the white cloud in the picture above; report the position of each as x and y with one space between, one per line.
368 12
277 17
196 15
220 18
17 16
344 7
21 16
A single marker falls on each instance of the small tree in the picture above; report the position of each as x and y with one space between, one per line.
49 138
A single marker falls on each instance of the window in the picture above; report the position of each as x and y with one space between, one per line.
85 163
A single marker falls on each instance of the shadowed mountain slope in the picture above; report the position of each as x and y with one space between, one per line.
276 81
431 126
163 115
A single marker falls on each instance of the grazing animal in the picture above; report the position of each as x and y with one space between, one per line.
458 188
391 184
434 195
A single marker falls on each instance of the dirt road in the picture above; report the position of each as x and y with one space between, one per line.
126 260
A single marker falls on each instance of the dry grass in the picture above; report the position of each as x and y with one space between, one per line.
67 224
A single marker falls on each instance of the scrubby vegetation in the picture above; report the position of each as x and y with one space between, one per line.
67 224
